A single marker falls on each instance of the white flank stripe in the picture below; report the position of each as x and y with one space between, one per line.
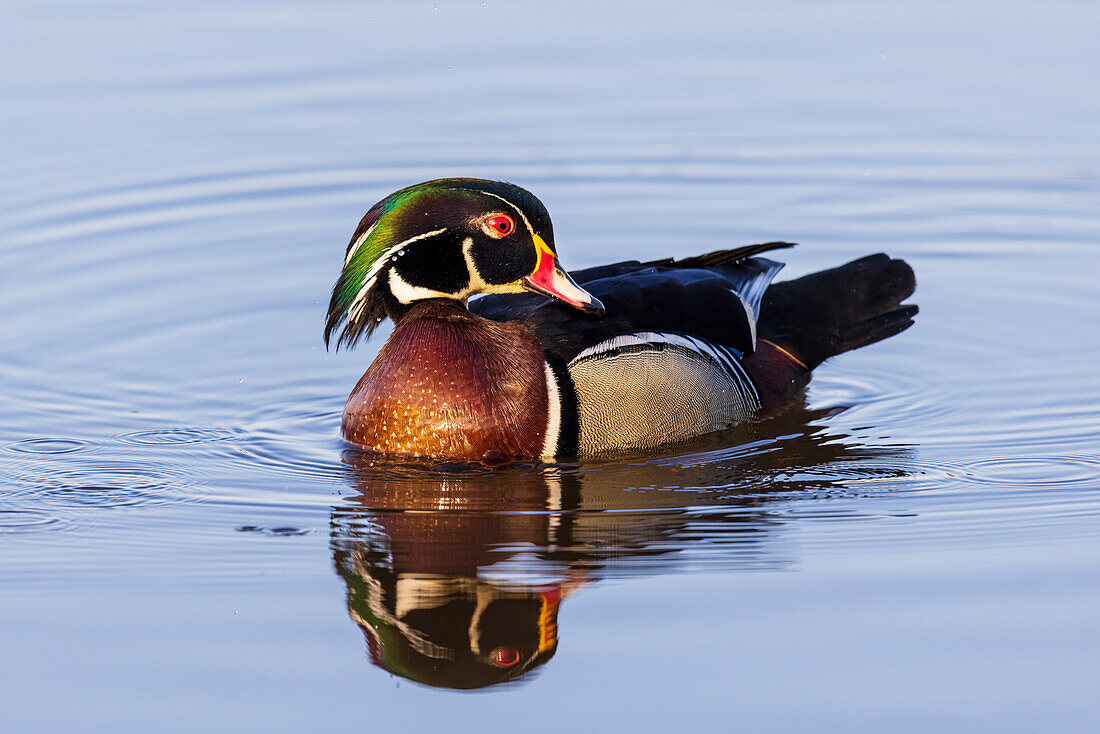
553 503
746 386
553 415
629 340
715 352
720 354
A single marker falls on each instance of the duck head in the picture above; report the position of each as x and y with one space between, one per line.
449 238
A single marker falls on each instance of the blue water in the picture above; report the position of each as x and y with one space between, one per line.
187 545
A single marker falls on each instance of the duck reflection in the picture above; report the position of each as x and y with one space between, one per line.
455 574
415 551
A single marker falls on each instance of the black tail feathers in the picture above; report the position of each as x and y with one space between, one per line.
834 311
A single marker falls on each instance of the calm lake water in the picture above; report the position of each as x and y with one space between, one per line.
187 545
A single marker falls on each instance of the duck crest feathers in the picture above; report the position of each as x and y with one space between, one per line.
398 224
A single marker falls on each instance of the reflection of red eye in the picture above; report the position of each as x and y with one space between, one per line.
500 225
504 657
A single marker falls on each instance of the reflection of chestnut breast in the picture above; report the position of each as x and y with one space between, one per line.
457 543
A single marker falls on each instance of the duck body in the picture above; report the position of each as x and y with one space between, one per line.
625 357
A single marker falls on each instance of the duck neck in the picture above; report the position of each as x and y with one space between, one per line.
446 308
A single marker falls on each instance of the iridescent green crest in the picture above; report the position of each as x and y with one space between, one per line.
355 303
420 212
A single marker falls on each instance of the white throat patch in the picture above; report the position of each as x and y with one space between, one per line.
406 292
356 309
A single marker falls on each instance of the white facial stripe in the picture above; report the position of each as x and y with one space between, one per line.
553 411
477 283
415 591
359 243
518 210
485 596
376 603
356 311
368 281
406 293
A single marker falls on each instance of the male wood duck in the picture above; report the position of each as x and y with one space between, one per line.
616 358
418 590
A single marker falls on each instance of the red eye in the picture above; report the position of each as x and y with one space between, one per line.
504 657
500 225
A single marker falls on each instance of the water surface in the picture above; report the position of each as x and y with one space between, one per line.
187 545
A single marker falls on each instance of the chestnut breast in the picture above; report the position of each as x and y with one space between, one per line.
449 384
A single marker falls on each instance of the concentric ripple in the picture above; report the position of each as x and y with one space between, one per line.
58 490
30 520
49 446
175 436
1036 471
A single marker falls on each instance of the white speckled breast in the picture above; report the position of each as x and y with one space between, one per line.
448 384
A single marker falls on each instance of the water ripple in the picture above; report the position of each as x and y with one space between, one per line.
1035 471
271 440
29 520
49 446
60 490
175 436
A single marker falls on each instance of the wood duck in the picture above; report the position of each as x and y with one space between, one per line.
417 589
626 357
